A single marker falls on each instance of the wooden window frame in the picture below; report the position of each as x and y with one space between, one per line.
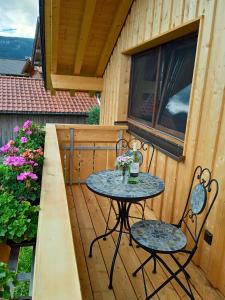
141 127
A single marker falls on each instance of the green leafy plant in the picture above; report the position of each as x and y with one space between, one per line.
18 219
31 136
94 115
22 189
7 282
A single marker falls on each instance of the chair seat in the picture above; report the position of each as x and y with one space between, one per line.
158 236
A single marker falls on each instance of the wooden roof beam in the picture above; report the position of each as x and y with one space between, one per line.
84 34
78 83
113 35
55 34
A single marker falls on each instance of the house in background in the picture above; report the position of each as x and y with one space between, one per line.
23 98
15 67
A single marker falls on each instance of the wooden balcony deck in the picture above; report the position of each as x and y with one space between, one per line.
88 213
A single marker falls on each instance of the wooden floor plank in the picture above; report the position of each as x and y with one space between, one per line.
96 266
80 257
88 214
121 284
127 254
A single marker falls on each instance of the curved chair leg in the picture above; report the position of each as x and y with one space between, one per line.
173 276
187 275
142 265
154 268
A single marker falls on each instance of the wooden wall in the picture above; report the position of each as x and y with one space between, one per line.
204 139
9 121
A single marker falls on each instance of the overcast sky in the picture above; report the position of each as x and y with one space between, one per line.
18 17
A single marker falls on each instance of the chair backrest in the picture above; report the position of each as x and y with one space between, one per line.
201 197
124 147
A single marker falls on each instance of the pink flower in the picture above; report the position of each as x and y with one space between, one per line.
23 139
5 148
9 148
27 124
15 161
16 129
26 175
29 132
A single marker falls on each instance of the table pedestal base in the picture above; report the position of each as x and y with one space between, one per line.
123 223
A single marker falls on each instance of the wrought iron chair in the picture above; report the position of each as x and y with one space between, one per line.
157 237
124 147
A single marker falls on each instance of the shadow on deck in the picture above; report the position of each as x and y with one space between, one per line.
88 213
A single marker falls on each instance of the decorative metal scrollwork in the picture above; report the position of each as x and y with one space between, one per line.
197 198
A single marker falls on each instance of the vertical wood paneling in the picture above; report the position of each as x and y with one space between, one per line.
217 262
166 15
190 9
170 190
149 19
160 172
205 130
157 18
212 112
185 170
178 12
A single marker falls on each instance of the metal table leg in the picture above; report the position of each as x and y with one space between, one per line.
105 234
122 222
123 219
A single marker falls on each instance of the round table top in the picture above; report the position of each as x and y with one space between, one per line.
108 183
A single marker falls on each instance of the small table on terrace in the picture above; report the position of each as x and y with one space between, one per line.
109 184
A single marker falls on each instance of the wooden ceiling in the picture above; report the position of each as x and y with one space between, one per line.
79 38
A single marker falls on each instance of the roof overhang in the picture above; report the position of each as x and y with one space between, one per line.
78 38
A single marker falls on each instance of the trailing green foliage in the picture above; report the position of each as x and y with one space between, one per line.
24 266
18 219
20 180
7 282
93 115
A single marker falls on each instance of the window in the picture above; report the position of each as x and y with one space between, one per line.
161 84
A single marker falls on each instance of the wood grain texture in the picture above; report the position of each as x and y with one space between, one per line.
205 127
88 213
55 272
77 83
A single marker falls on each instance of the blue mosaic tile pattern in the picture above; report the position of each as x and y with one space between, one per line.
110 184
198 198
158 236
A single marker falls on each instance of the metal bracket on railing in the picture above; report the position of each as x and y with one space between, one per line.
71 131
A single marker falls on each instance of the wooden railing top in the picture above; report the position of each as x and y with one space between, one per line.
55 273
91 127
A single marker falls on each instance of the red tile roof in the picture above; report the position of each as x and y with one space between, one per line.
21 94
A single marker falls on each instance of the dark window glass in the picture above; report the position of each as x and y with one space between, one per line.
144 86
161 84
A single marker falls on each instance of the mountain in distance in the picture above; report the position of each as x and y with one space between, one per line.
15 47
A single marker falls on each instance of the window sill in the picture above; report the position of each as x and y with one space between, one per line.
169 147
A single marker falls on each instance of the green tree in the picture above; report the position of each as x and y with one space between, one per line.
93 115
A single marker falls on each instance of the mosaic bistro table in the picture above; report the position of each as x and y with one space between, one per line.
109 184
